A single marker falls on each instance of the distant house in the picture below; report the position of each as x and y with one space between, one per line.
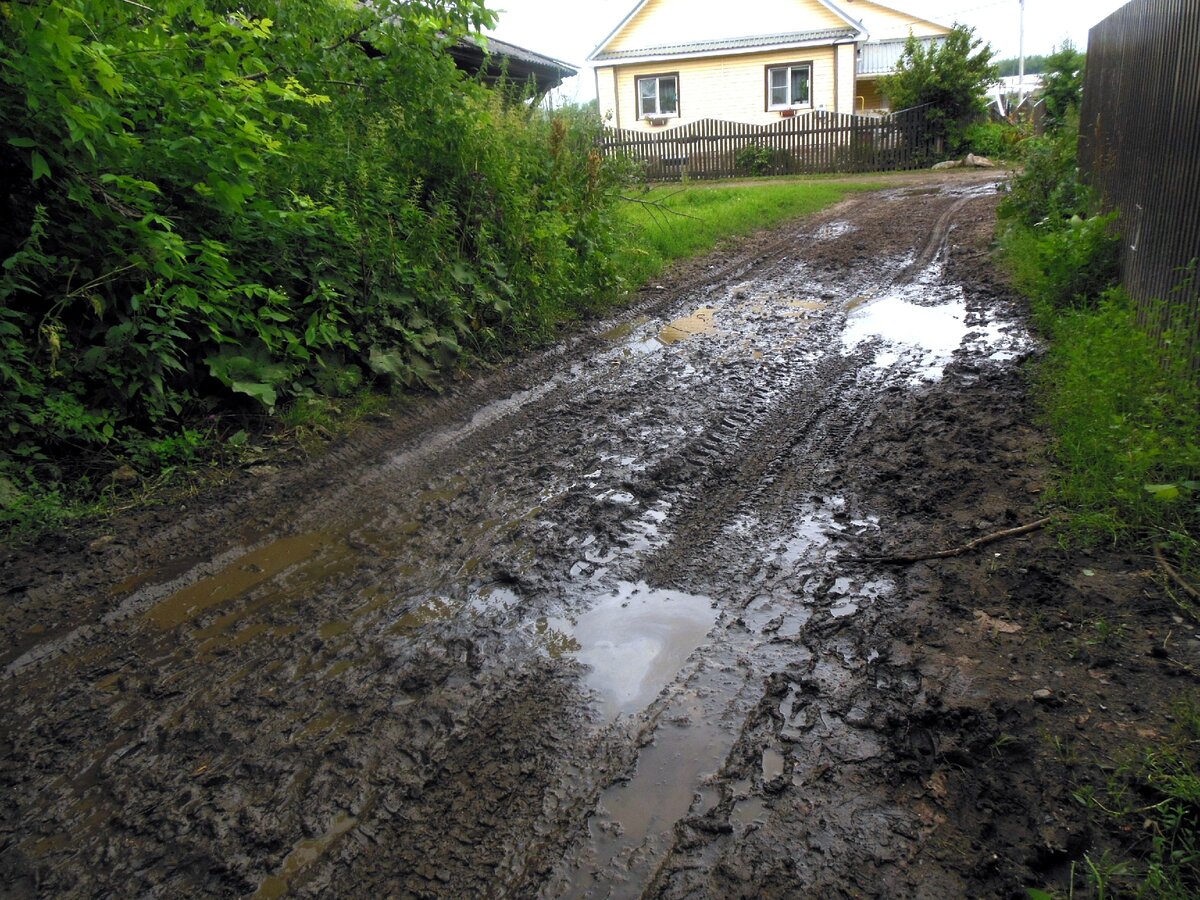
494 59
671 62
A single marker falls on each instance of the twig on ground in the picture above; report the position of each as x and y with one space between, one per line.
1170 572
965 548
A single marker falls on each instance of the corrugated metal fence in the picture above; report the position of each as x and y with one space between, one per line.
809 143
1139 146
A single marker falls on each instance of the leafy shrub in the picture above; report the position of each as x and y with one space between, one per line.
1048 187
214 206
1065 266
995 140
950 77
1060 255
753 159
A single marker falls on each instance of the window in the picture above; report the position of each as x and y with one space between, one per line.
789 86
658 96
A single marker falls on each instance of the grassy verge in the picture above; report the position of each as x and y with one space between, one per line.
675 222
1124 411
167 469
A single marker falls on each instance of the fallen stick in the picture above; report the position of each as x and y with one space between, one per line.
1173 575
965 548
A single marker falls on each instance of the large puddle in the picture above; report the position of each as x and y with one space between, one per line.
634 642
925 337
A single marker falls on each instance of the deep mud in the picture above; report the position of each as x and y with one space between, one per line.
599 624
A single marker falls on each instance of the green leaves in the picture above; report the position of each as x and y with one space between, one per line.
950 77
254 375
218 204
38 164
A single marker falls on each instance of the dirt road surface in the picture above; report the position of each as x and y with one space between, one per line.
598 624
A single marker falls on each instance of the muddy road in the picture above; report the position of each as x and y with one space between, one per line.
596 625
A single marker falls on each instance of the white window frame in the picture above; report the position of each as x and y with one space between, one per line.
792 103
657 79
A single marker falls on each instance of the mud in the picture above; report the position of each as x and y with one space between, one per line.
598 623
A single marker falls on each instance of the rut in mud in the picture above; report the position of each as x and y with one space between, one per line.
595 628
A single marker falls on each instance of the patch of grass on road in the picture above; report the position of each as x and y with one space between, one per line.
677 222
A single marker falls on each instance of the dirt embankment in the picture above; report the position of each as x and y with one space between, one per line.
603 624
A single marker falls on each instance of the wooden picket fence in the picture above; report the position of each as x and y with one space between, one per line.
810 143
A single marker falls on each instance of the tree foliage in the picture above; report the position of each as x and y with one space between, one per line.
209 203
1062 84
1035 64
949 77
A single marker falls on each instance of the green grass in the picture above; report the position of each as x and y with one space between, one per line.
1126 416
1152 797
695 218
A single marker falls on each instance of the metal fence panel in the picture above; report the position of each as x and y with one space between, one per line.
1139 147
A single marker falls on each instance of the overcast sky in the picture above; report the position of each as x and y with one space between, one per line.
570 29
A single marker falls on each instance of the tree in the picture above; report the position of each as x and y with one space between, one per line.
950 77
1062 84
1035 64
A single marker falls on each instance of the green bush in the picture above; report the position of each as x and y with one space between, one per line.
1048 188
1060 254
1065 266
754 159
212 206
995 140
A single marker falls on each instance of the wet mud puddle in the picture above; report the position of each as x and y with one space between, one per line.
633 642
586 590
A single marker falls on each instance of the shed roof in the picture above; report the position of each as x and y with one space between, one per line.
494 59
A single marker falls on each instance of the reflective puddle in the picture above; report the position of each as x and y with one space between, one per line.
634 641
926 336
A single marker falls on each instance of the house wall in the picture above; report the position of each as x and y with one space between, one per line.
871 98
732 88
663 22
885 24
847 59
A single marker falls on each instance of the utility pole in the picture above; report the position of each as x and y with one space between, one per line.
1021 55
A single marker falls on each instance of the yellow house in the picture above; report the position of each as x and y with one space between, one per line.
671 62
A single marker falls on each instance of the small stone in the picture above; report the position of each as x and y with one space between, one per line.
1043 695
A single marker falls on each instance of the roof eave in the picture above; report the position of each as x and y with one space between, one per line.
731 51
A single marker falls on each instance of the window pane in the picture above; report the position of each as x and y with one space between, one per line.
779 96
646 96
800 85
778 78
668 96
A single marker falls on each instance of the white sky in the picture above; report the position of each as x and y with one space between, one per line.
570 29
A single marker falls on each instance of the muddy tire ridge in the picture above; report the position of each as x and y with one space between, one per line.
593 625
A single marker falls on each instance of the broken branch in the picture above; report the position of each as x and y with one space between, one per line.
656 204
965 548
